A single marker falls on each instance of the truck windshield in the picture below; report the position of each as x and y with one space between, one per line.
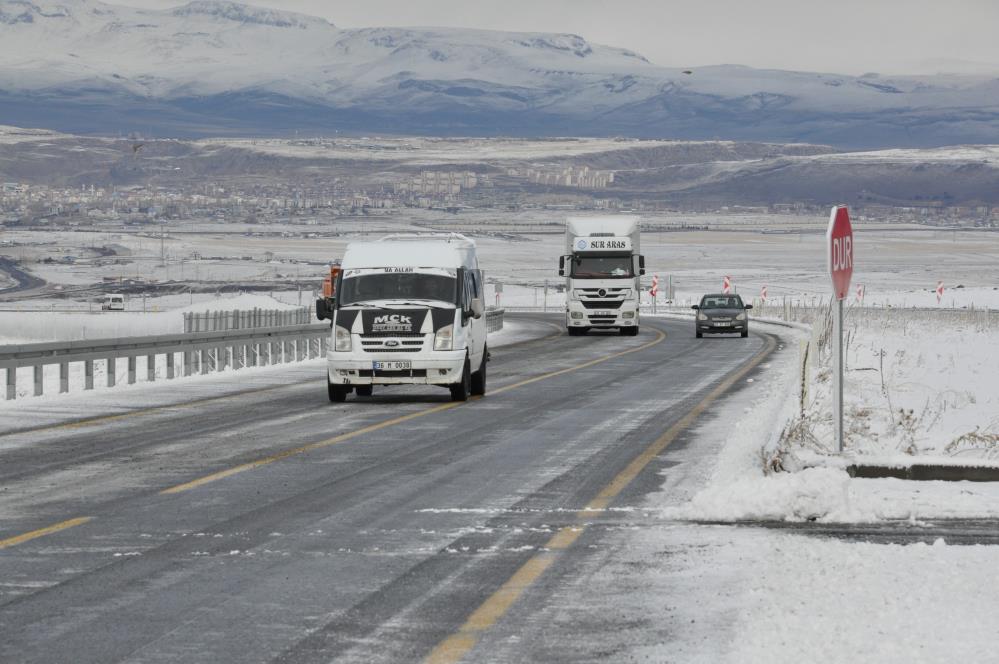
401 286
601 267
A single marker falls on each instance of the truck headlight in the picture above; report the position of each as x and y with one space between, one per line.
576 314
741 316
444 339
702 317
628 314
341 339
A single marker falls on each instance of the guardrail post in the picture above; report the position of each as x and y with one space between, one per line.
188 361
11 383
203 356
88 374
38 379
151 367
170 360
131 370
269 360
111 368
63 377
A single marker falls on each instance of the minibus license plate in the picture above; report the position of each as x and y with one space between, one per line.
392 366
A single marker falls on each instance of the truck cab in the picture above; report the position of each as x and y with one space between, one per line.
602 267
409 310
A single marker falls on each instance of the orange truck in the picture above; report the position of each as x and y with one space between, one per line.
324 305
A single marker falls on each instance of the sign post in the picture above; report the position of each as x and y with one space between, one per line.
839 253
654 291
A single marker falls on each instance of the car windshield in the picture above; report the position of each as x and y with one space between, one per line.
722 302
401 286
601 267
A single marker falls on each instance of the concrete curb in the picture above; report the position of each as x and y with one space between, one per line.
926 472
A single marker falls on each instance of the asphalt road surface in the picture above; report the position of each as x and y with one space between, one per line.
273 526
25 281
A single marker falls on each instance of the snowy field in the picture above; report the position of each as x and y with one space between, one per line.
165 315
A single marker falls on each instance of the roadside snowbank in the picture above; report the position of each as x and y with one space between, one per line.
938 402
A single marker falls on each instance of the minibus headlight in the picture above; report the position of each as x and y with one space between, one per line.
341 339
444 339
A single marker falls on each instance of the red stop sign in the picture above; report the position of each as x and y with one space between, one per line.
839 239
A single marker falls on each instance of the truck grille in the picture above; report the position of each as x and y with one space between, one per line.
595 293
602 304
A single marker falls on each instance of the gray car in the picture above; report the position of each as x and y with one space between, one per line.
721 313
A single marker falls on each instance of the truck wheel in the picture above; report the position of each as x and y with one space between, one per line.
698 335
479 377
632 331
461 389
745 333
574 331
337 393
364 390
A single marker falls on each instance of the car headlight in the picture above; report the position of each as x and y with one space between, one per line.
702 317
444 339
741 316
341 339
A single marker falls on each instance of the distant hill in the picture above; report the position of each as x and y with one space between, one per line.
721 172
212 68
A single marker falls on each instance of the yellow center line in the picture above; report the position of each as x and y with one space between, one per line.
41 532
454 648
201 481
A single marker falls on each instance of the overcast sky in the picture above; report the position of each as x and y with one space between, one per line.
842 36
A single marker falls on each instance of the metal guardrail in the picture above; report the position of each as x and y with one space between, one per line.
241 319
202 353
494 320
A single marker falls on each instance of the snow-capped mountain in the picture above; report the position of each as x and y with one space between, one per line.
213 66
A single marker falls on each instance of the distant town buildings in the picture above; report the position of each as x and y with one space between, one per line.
582 178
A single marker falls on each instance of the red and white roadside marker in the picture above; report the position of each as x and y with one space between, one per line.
940 291
763 293
860 293
726 285
654 291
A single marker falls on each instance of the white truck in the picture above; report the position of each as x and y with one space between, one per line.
602 268
407 309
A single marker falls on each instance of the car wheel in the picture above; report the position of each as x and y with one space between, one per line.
479 378
336 393
461 389
364 390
